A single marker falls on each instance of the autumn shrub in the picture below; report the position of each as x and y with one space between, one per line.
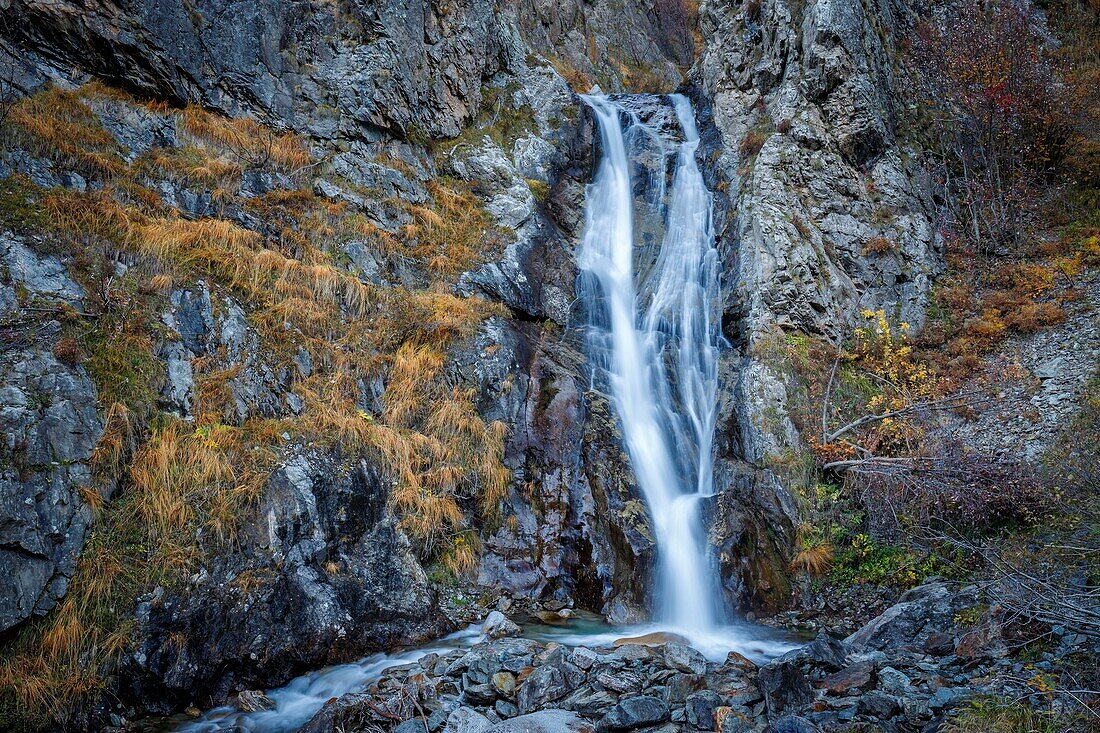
862 559
1000 115
68 351
951 488
877 245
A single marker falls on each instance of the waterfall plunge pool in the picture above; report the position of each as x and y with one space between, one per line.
299 700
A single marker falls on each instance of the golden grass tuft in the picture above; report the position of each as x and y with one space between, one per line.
116 442
814 560
58 124
454 234
251 142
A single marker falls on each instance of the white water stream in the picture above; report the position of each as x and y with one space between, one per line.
655 340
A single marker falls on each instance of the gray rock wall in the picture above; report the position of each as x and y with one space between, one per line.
50 427
829 212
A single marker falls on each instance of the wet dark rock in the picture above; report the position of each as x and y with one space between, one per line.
331 578
701 708
858 676
825 651
879 705
784 686
635 712
792 724
546 684
252 701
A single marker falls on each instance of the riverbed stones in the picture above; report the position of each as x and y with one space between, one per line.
498 626
635 712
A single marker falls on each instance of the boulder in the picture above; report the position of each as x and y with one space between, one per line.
656 638
684 658
783 686
880 705
701 708
497 626
544 721
919 613
792 724
858 676
466 720
892 681
544 685
635 712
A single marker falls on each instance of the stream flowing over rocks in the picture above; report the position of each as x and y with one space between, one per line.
902 671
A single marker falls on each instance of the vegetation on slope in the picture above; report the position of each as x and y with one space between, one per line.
889 497
169 492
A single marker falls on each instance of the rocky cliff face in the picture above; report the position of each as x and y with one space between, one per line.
799 119
830 212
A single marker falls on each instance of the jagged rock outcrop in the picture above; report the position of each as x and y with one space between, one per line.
379 67
50 425
829 209
321 575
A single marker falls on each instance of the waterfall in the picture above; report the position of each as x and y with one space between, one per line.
654 338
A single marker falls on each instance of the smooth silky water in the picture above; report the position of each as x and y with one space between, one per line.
653 344
654 338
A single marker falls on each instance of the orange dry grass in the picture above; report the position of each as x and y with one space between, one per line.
813 560
215 246
252 142
184 479
451 236
194 164
119 434
59 124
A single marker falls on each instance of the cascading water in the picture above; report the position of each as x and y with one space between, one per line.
656 341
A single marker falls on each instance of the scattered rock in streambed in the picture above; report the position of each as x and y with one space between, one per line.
497 626
512 684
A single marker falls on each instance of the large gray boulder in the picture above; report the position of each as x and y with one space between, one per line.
920 613
544 721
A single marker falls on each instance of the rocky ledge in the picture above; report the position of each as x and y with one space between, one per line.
904 671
